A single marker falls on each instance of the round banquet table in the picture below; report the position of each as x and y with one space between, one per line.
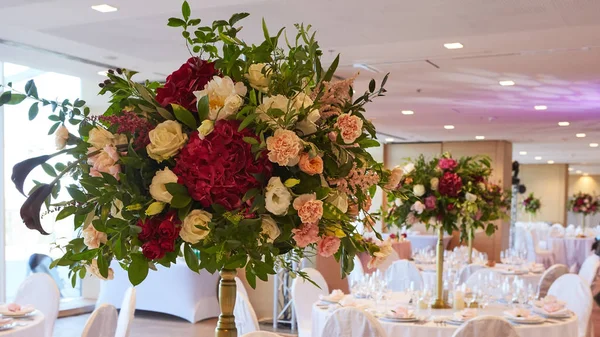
424 241
33 326
571 250
403 248
554 328
428 273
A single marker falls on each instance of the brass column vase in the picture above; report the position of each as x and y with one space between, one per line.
227 295
470 244
439 295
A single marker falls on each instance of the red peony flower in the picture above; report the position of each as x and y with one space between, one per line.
450 184
447 163
180 86
152 250
221 167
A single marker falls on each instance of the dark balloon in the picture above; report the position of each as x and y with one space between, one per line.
30 211
22 169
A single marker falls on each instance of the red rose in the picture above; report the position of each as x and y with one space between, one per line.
404 235
450 207
447 163
579 201
152 250
450 184
180 86
167 228
221 168
167 244
148 229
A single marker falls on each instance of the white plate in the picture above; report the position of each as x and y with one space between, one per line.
18 314
560 314
8 326
397 319
454 322
533 319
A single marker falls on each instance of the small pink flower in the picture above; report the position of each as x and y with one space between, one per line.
447 163
418 207
310 210
430 202
411 219
105 161
350 127
306 234
93 238
284 147
328 246
111 150
332 136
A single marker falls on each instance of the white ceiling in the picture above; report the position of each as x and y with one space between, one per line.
550 48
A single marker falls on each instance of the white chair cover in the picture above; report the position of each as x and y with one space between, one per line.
575 291
557 231
570 231
589 269
520 240
304 295
534 253
357 272
102 322
245 317
548 277
467 271
388 261
480 275
40 290
589 232
486 326
352 322
261 334
401 273
126 314
239 286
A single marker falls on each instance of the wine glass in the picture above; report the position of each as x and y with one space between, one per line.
470 297
425 297
507 292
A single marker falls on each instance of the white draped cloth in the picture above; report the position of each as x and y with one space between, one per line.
429 275
34 328
418 241
571 250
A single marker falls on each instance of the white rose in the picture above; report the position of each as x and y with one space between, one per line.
339 200
419 190
270 228
417 207
93 238
166 140
395 177
259 77
408 168
94 270
434 182
224 97
481 186
302 101
189 232
205 128
470 197
158 190
100 137
277 197
307 126
274 102
61 137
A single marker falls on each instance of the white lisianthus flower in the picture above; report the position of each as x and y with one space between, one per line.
270 229
61 137
158 190
408 168
418 207
205 128
308 125
339 200
93 238
418 190
470 197
100 137
434 182
277 197
224 97
189 232
166 140
259 77
94 270
274 102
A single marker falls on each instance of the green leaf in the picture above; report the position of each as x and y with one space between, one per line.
5 97
54 127
247 121
203 108
33 110
138 269
372 85
102 265
185 10
190 257
366 143
176 189
184 116
291 182
16 99
49 169
265 33
31 89
180 201
251 193
329 74
250 276
85 255
66 212
237 17
250 140
175 22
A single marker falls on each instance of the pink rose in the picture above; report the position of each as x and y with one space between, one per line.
310 210
350 127
309 165
306 234
395 177
328 246
411 219
284 147
93 238
417 207
430 202
447 163
105 161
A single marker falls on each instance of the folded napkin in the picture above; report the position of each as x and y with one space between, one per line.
519 313
335 296
553 307
401 312
5 321
536 267
13 307
465 314
549 299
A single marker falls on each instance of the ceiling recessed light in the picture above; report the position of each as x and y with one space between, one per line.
523 153
571 169
448 127
104 8
389 140
564 123
538 158
540 107
593 144
506 83
480 137
103 73
550 161
578 171
586 174
408 112
453 45
580 135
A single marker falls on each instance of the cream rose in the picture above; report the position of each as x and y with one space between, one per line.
418 190
284 147
308 125
189 232
279 102
94 270
99 138
158 190
93 238
434 182
270 228
166 140
339 200
259 76
277 197
224 97
61 137
470 197
408 168
206 128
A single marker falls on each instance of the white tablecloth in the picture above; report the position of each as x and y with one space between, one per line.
428 273
418 242
176 290
570 250
34 327
562 328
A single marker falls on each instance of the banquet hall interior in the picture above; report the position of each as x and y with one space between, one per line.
512 86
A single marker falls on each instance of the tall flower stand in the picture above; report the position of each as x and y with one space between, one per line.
439 296
227 295
470 234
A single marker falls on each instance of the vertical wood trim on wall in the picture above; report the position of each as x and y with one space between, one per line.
2 203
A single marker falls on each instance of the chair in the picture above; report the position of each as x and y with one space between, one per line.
548 277
388 261
245 317
239 286
589 269
102 322
357 272
534 253
403 270
575 291
126 314
479 275
261 334
304 295
486 326
467 271
41 291
557 231
40 263
352 322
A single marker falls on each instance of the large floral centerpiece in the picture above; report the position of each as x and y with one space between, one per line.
531 204
584 204
247 152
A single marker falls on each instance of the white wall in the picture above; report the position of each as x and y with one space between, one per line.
549 183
